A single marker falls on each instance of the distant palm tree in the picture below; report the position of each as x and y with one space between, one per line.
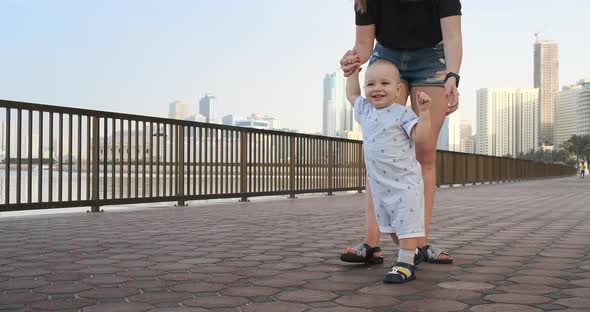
568 147
578 145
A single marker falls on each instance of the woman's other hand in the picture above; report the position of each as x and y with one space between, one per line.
452 95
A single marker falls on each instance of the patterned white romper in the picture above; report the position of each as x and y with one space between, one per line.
395 176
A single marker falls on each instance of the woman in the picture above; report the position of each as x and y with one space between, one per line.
423 39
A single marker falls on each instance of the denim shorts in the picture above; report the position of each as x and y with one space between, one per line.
417 67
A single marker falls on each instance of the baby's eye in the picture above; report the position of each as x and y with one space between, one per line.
385 83
370 84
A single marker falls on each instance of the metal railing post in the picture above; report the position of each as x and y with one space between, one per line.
476 170
243 165
292 167
360 168
180 165
440 172
95 163
330 167
455 169
7 160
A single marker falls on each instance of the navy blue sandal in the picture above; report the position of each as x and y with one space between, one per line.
400 273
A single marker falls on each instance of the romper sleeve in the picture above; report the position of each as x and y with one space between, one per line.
408 121
361 109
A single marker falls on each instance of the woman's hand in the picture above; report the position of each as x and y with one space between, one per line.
350 62
452 95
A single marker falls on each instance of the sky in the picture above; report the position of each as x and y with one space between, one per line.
257 56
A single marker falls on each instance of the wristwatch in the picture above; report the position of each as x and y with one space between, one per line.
451 74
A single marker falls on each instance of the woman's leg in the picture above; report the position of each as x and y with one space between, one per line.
427 156
372 233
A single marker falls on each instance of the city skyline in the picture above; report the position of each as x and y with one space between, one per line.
64 54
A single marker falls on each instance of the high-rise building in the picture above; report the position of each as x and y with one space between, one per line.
495 121
468 145
449 137
258 124
572 111
466 139
337 113
260 121
506 121
228 120
454 132
443 136
546 78
178 110
527 121
271 121
465 129
584 110
196 117
207 107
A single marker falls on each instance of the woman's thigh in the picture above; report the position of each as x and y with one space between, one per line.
438 109
403 94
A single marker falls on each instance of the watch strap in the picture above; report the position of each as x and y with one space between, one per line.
451 74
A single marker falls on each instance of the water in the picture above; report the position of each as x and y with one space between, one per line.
225 183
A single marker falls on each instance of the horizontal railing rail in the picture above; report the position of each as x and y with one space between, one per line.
57 157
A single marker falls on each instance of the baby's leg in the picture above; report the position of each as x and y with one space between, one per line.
394 238
403 270
417 260
408 245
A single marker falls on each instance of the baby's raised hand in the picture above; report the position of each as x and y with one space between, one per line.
423 101
350 62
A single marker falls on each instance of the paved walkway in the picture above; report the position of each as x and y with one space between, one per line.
519 247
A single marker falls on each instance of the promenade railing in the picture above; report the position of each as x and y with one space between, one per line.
57 157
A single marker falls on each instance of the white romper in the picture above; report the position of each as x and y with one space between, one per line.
395 176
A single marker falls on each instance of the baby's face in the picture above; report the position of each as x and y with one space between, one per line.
382 84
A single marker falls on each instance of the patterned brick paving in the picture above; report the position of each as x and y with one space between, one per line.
518 246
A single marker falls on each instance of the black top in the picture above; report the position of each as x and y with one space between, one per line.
408 24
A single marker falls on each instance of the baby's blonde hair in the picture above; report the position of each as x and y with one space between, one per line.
395 72
360 5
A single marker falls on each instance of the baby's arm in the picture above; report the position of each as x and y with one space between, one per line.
353 89
422 133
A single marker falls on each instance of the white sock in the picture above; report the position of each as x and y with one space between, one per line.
406 256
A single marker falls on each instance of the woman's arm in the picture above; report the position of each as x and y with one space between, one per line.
365 41
451 31
360 54
453 43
